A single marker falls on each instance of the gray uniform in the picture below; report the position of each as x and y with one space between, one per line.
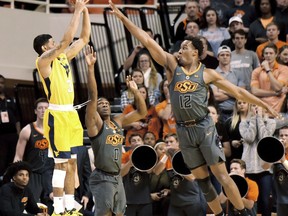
105 182
198 139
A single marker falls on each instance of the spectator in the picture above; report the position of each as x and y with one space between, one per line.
203 4
282 57
211 29
9 127
15 196
207 58
185 193
127 96
164 110
238 167
280 169
243 10
235 23
253 129
149 138
136 183
265 11
282 14
268 81
240 113
192 12
192 29
243 61
150 122
272 32
152 78
160 185
132 59
224 100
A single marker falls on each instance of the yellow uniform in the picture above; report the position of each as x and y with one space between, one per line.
61 123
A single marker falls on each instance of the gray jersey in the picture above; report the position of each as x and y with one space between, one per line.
107 148
188 93
243 64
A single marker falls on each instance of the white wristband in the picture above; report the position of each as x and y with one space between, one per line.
164 159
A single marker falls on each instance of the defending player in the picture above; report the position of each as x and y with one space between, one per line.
188 85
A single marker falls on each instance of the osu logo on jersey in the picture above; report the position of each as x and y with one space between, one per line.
185 86
41 144
24 200
115 139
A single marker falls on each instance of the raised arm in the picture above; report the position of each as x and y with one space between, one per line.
49 55
211 76
141 108
78 45
92 118
22 142
129 61
158 54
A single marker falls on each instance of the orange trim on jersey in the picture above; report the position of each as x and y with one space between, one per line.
190 73
36 128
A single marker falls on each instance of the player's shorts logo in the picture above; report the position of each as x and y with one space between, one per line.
185 86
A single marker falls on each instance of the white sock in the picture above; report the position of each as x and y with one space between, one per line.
69 201
58 205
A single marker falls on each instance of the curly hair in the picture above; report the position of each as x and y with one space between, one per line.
14 168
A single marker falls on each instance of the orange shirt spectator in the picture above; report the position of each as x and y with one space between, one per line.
261 80
150 123
253 190
260 48
169 124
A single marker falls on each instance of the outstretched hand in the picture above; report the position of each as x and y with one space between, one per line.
115 10
273 112
131 83
79 5
90 55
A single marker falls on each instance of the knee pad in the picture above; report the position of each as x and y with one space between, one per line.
207 189
58 178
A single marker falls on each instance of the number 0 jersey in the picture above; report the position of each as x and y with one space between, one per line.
107 148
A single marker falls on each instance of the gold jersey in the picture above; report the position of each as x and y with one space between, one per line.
58 86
